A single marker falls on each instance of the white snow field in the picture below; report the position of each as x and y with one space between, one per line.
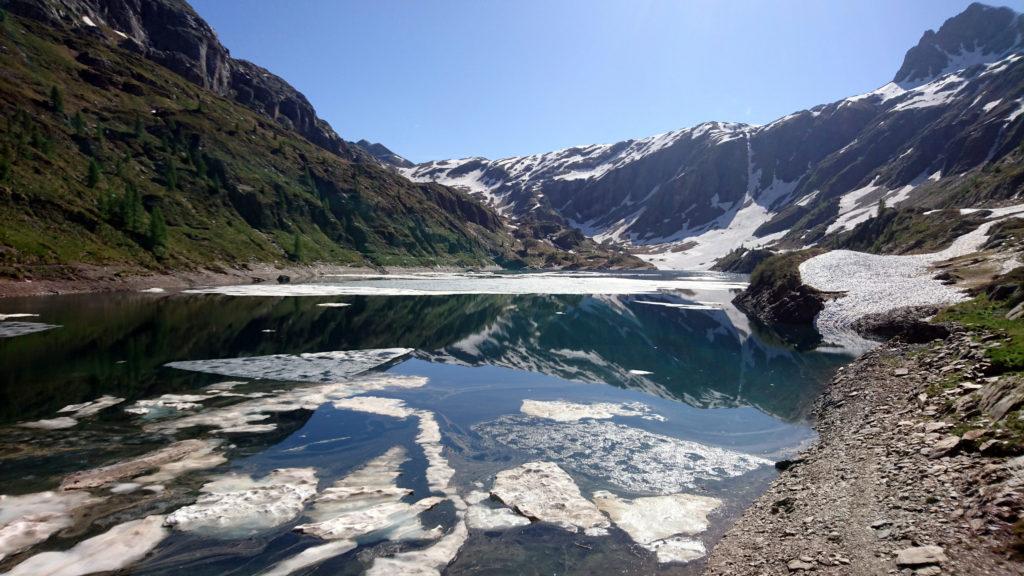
876 283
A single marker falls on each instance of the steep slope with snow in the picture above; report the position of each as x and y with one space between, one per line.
683 199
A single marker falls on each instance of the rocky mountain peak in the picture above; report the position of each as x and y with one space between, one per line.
980 34
383 154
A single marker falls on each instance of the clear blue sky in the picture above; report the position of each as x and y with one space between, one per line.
435 79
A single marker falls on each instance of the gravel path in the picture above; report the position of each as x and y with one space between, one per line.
881 487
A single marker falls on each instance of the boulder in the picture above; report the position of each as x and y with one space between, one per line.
907 324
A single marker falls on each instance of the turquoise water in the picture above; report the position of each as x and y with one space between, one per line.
683 367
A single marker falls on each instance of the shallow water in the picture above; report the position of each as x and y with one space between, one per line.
627 396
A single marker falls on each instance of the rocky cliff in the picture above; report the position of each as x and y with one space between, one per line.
170 33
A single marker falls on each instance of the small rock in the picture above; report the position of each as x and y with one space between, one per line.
920 556
797 564
900 372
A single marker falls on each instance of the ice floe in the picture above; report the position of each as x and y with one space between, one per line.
309 367
51 423
237 505
439 472
563 411
28 519
74 413
630 458
429 561
17 315
543 491
483 517
681 305
167 462
448 284
12 329
333 304
659 522
115 549
249 416
90 408
366 501
153 291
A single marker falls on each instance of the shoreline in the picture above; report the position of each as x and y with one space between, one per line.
899 481
101 279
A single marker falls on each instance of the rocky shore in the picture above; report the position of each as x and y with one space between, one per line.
915 473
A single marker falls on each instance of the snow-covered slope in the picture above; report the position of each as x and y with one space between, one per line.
684 198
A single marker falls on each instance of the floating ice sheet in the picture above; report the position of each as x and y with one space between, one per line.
429 561
4 317
115 549
563 411
545 492
310 367
657 522
483 517
365 501
29 519
630 458
237 505
447 284
248 416
74 413
12 329
333 304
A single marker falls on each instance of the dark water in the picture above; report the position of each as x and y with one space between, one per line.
714 380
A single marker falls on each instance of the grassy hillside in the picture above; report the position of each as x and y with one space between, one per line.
109 159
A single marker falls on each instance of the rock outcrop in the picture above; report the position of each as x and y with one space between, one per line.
170 33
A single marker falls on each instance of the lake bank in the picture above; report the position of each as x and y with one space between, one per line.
906 476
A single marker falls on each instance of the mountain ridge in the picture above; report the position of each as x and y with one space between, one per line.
690 195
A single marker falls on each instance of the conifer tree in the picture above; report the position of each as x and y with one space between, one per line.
56 100
92 177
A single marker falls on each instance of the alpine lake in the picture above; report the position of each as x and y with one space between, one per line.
543 423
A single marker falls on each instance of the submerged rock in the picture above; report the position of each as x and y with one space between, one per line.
188 454
237 505
543 491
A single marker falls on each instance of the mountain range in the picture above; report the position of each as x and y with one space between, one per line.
945 132
136 141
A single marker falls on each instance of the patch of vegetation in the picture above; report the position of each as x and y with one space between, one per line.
981 313
906 231
741 260
781 271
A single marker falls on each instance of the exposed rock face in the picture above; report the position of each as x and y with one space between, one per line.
980 31
383 154
776 295
955 107
170 33
907 324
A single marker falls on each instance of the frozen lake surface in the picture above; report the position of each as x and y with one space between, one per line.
575 423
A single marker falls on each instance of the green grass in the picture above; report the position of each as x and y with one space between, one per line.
240 189
981 313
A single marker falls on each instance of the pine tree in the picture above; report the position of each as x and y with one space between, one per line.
78 123
138 128
157 233
92 177
296 253
171 173
56 100
131 209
